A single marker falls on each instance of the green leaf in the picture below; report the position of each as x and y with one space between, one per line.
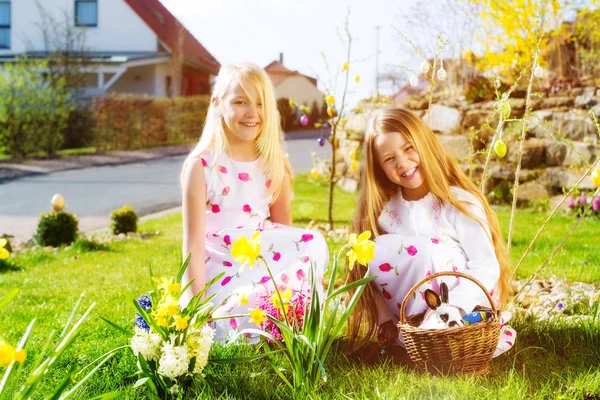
127 332
8 297
351 286
183 268
149 320
140 382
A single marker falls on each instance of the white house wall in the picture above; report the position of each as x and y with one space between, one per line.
119 27
301 90
162 71
137 80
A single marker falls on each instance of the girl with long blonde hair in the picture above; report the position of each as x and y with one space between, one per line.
236 182
427 217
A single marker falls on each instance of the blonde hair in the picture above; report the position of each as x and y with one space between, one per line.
440 172
268 143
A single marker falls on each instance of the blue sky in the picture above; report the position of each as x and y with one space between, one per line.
258 30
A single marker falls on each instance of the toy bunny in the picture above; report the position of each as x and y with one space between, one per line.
441 314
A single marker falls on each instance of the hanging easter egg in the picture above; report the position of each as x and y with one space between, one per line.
331 111
304 120
321 141
596 177
330 99
538 72
357 78
414 81
354 165
425 67
504 109
500 148
57 202
346 66
441 74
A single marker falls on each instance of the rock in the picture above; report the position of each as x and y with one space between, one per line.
596 109
589 91
585 101
527 175
531 192
557 178
574 124
534 153
554 102
597 92
474 120
517 107
444 119
538 123
456 146
555 153
579 154
578 91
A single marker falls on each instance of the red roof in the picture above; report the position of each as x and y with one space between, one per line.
278 73
166 27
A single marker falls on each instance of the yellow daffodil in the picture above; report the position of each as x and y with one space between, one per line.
357 78
285 297
257 315
246 251
361 249
181 322
346 66
330 99
4 254
314 173
166 285
160 315
8 354
596 177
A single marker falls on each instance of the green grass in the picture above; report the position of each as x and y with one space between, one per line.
550 359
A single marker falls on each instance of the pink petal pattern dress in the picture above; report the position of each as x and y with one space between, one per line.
427 236
237 204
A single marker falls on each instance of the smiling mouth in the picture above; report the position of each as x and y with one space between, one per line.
409 173
249 124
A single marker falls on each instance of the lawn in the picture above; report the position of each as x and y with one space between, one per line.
550 359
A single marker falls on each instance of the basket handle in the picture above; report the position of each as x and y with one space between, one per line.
436 275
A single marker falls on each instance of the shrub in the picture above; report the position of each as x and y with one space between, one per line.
80 129
84 245
481 89
124 220
56 228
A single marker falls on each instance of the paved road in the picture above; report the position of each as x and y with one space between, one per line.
92 193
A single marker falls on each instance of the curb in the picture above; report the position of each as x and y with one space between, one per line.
10 171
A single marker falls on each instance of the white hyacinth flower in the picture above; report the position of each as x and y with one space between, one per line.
174 361
146 344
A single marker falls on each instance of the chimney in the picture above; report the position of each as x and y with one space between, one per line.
281 58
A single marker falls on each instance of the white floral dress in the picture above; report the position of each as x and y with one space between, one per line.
425 237
237 204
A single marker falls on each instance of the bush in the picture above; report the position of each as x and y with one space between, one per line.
84 245
125 122
80 129
124 220
56 228
33 109
481 89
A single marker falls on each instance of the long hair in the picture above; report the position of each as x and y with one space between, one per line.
440 172
268 143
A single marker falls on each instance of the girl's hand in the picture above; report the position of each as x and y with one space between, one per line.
387 332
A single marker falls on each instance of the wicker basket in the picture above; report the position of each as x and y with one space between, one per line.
466 349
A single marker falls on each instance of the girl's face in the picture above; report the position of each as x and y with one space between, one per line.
243 116
401 164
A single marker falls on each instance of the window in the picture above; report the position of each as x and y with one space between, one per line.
86 12
4 24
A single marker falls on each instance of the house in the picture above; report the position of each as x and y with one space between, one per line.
132 46
294 85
